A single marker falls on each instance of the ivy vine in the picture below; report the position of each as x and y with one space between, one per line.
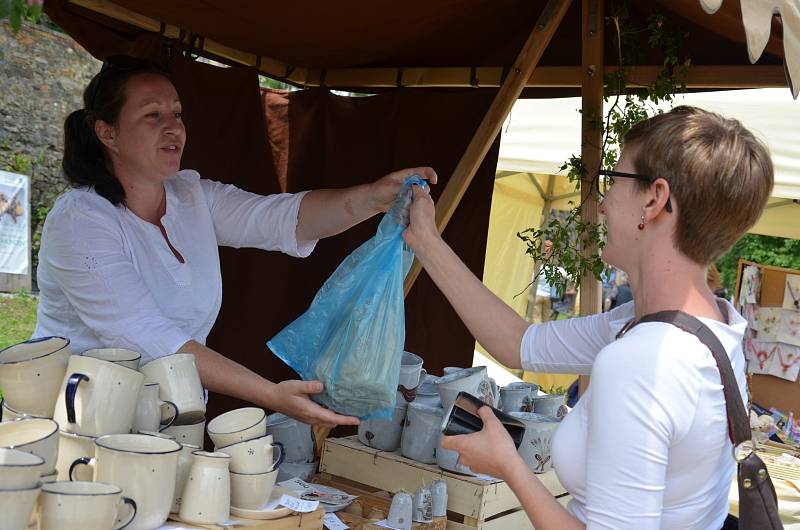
627 105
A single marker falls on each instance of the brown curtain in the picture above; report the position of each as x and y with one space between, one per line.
320 140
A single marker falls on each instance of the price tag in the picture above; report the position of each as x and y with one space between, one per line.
332 522
298 505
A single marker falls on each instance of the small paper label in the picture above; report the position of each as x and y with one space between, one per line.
332 522
298 505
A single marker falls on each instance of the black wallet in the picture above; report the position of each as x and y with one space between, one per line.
464 419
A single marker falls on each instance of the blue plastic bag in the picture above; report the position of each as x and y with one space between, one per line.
351 337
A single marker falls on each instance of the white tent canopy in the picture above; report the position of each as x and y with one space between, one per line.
541 134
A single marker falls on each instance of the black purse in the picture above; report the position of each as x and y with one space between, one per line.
758 502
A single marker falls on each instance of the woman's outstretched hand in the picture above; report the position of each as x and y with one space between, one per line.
292 398
384 190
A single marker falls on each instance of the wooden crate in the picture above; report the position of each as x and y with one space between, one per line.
472 503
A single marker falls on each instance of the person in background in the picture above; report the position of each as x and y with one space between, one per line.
620 294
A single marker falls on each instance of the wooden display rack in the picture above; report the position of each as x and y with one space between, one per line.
472 503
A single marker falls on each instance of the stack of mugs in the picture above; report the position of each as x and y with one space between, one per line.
83 417
241 472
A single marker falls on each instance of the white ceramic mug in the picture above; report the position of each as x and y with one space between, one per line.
295 436
237 426
421 433
18 469
32 435
207 495
31 373
16 507
254 456
9 414
252 490
127 358
471 380
193 433
97 397
145 467
72 446
536 442
184 464
179 382
150 409
384 435
84 505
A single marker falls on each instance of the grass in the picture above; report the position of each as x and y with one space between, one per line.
17 318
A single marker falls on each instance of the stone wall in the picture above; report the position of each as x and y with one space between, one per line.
42 76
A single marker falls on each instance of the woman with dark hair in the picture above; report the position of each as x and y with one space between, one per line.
129 255
647 445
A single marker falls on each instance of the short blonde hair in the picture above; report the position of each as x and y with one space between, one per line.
719 174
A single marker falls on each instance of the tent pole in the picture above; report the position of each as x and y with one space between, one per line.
592 25
523 67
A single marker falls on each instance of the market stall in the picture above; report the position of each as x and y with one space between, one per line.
484 56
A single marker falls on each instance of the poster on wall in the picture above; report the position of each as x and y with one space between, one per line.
14 221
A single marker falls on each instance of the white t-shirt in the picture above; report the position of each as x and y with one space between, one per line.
647 445
108 278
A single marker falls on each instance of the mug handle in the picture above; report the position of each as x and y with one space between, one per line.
174 416
527 401
69 394
281 455
422 374
82 461
132 503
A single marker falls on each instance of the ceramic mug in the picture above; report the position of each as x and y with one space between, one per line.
252 490
383 435
515 398
295 436
421 433
427 394
16 507
72 446
536 443
471 380
254 456
32 435
84 505
401 511
127 358
149 410
237 426
145 467
19 470
207 494
97 397
451 461
411 373
9 414
550 405
31 373
192 433
184 463
179 382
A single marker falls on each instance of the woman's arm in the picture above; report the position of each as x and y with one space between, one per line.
492 451
325 213
225 376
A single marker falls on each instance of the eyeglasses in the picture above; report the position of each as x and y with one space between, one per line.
608 181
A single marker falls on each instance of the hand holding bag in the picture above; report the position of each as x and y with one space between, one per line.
758 503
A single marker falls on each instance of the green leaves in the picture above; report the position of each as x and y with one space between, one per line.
571 234
18 10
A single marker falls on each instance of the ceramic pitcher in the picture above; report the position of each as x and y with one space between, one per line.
149 410
536 443
207 494
31 373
